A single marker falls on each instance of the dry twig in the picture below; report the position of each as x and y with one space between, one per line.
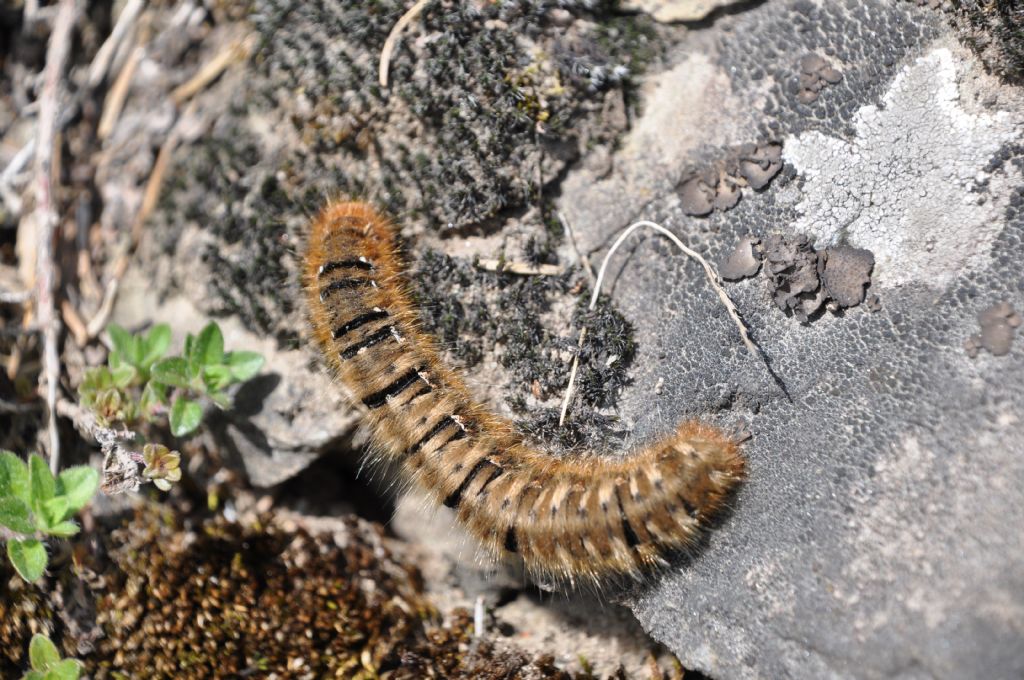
73 320
709 271
392 39
522 268
237 51
45 214
115 99
120 462
125 22
154 183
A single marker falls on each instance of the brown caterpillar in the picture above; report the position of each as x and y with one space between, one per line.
588 518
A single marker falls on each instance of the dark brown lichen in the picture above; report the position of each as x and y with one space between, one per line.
804 281
999 324
719 186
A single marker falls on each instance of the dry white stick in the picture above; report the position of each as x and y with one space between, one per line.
237 51
98 322
709 271
46 213
521 268
114 101
392 40
20 160
125 21
14 297
478 617
572 378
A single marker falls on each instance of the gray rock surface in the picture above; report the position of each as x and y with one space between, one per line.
879 533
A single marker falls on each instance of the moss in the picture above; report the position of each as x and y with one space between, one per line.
471 111
473 312
24 610
995 30
451 652
177 598
228 599
484 100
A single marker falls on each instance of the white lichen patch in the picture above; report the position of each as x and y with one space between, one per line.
907 185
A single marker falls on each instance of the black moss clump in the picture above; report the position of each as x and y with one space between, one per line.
995 30
483 99
243 208
488 106
607 353
474 312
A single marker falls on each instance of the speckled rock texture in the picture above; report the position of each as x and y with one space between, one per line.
877 536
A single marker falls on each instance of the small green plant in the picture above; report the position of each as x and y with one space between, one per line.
204 370
163 466
138 382
46 662
35 504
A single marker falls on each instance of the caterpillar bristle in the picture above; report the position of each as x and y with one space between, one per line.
580 519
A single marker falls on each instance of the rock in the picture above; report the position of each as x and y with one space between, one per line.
668 11
872 539
874 536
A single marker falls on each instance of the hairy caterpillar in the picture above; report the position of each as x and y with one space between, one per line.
585 518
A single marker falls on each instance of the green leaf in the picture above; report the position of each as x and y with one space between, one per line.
34 675
114 361
63 529
216 378
221 399
123 343
157 342
123 375
52 511
41 479
244 365
78 484
209 346
42 653
66 669
28 556
185 416
14 477
173 371
14 514
153 396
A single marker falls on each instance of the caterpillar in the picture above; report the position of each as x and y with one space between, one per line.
586 518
